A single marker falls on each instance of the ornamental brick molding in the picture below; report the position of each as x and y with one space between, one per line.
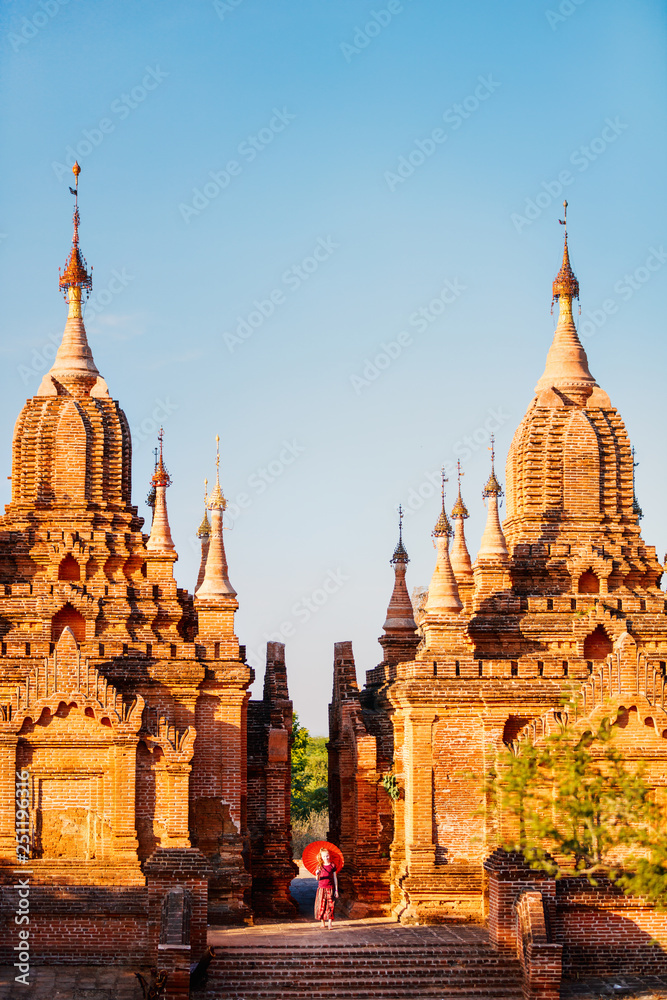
563 601
124 700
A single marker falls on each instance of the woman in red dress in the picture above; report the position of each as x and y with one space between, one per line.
327 888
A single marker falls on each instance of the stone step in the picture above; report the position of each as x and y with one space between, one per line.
366 972
363 991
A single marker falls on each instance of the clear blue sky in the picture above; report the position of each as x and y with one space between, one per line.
305 110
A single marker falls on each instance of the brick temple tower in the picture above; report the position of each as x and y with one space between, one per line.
564 595
123 699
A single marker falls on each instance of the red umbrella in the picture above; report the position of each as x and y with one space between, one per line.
312 850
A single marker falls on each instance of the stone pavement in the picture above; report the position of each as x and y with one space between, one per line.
73 982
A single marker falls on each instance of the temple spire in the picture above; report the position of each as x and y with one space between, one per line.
460 557
443 592
73 366
566 367
400 615
216 581
400 639
493 547
203 532
160 538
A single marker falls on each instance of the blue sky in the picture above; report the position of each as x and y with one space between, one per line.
270 194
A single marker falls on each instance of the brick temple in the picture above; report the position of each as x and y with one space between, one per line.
564 596
154 794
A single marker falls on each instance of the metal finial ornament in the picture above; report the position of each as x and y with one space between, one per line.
205 526
636 509
493 487
442 525
565 282
161 477
216 500
150 499
75 274
459 509
400 555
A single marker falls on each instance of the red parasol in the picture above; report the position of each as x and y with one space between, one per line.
312 850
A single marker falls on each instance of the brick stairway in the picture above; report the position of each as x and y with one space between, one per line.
432 970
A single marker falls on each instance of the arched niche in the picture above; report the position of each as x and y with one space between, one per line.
68 617
589 583
69 568
597 645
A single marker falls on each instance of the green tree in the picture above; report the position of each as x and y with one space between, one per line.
571 805
309 772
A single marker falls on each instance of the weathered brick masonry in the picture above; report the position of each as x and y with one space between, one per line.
565 594
123 699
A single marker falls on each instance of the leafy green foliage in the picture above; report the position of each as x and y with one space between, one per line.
572 805
309 773
390 784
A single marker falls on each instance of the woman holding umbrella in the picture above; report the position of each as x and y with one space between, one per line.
327 888
325 861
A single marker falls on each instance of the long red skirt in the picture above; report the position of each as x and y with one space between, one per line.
324 903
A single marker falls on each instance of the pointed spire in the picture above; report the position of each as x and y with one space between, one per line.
160 538
442 525
73 366
204 528
216 499
493 546
400 615
567 365
565 283
203 532
150 499
443 592
216 581
636 509
460 557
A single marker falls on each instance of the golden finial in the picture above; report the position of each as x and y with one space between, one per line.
400 555
442 526
161 477
75 274
493 487
565 282
205 526
216 500
459 509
